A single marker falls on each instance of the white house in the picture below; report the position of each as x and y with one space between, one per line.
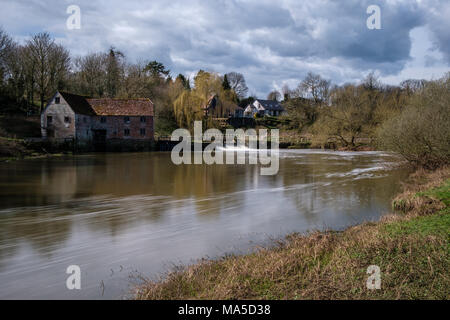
264 108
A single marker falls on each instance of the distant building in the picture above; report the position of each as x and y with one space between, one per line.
217 108
264 108
97 120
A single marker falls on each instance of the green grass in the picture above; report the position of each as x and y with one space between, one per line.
441 193
434 225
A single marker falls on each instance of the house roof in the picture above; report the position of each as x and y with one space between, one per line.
108 107
214 101
122 107
270 105
78 103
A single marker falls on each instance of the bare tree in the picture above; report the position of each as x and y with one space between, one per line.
348 118
6 44
50 64
29 65
39 49
14 70
286 92
91 74
137 82
371 82
59 66
274 95
237 83
413 85
314 86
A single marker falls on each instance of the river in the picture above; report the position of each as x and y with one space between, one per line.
118 216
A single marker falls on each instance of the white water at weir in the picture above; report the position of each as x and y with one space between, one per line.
239 149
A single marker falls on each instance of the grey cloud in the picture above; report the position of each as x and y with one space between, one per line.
437 14
270 42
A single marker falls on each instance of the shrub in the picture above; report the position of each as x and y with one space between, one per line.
421 132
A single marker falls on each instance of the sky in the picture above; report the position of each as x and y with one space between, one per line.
271 42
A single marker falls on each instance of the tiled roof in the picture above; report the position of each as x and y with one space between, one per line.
108 107
122 107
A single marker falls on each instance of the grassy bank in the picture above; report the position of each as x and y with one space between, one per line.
411 248
14 131
12 149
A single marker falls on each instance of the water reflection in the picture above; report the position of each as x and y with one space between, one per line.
139 211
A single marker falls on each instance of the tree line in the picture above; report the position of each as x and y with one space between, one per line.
31 72
411 118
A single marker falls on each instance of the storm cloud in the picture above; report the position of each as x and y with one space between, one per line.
270 42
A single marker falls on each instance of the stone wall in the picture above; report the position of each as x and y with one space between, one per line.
62 124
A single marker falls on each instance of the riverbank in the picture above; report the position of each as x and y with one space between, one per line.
16 149
17 132
14 129
411 248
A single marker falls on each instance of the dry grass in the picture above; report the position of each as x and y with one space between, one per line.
412 201
411 249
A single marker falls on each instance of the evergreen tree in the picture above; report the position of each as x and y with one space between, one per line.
226 83
184 81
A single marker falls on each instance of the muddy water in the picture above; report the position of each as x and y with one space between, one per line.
118 215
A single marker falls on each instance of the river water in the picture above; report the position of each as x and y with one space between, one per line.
118 216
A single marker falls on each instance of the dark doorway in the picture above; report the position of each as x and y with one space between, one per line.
99 140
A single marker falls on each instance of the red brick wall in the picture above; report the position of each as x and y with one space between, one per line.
115 127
